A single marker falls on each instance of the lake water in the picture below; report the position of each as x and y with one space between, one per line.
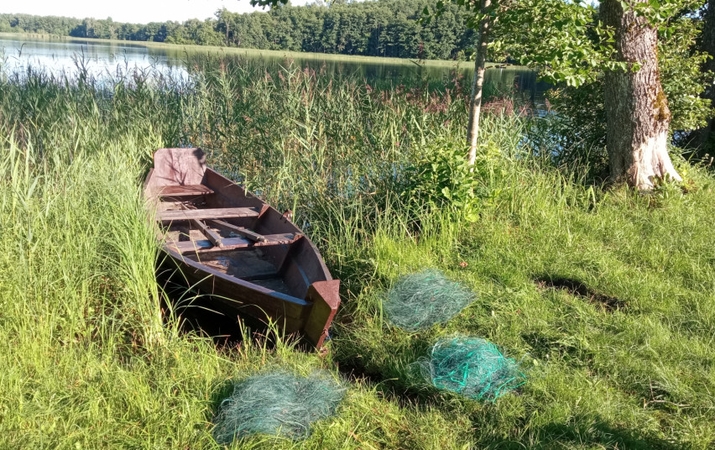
103 59
98 58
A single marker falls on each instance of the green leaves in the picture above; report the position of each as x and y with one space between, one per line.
442 179
564 40
682 75
661 13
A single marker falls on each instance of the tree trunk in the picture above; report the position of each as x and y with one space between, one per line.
637 114
475 104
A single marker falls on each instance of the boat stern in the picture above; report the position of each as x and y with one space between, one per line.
325 296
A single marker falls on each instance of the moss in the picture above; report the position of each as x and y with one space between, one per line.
661 106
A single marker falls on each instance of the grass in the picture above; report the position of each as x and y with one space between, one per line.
89 363
605 296
635 377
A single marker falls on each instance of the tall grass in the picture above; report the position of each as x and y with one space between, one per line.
605 296
87 361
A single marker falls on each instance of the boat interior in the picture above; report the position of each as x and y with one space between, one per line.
211 220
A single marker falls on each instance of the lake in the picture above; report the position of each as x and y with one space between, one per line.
58 56
107 58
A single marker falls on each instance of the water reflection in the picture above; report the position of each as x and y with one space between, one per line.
96 59
112 60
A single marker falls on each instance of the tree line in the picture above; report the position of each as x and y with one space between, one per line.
374 28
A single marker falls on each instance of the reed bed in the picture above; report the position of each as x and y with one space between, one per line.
603 297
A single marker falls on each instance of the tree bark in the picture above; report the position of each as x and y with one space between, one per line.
475 103
637 114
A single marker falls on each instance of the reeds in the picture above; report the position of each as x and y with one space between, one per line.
88 362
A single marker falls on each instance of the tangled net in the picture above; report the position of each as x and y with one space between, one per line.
422 299
472 367
277 403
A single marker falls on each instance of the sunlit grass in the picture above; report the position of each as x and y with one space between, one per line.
90 363
627 365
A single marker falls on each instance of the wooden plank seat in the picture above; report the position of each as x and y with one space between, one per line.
205 214
205 245
186 190
210 234
241 231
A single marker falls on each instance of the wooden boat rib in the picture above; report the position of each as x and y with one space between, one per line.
233 246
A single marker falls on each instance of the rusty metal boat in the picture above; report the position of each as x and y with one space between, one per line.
251 260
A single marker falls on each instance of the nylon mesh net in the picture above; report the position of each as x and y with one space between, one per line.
277 403
420 300
472 367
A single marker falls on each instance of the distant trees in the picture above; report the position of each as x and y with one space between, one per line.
373 28
24 23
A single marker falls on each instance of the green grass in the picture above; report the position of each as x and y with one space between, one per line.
89 362
636 377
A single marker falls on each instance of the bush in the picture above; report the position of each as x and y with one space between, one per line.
442 179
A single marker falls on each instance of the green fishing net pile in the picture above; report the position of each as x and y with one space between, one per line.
422 299
472 367
277 403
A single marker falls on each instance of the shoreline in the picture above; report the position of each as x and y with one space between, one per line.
209 49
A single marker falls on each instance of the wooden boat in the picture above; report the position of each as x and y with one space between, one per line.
229 244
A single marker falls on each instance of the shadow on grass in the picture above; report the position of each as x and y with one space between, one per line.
399 380
545 346
194 311
586 432
579 289
222 391
201 314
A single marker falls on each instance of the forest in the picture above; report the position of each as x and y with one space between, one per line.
388 28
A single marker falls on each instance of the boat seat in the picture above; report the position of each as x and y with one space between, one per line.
205 245
241 231
186 190
204 214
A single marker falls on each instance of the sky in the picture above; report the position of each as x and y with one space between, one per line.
134 11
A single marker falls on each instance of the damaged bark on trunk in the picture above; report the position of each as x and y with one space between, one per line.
636 107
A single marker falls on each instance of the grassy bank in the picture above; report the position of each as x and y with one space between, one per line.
605 297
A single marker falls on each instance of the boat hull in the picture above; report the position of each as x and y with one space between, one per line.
249 259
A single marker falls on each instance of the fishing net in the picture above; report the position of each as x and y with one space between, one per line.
472 367
277 403
422 299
